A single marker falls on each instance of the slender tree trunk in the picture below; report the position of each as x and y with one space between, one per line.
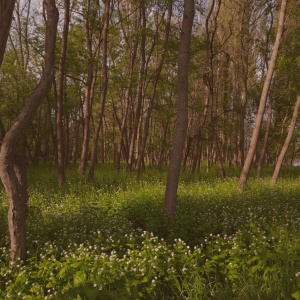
182 109
163 145
103 94
286 143
152 98
76 131
268 125
251 152
89 94
67 141
59 100
265 141
126 109
196 151
141 90
209 75
12 168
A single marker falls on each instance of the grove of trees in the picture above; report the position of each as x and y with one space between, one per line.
127 82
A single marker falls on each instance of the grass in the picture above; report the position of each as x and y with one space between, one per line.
110 240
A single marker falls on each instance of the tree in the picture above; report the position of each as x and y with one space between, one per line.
90 19
59 100
12 164
182 109
259 117
103 93
286 143
153 92
141 88
269 119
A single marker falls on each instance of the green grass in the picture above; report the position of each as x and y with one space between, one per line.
110 240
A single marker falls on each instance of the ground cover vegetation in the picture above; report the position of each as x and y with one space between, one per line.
111 240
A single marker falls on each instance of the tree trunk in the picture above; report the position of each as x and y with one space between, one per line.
141 90
59 100
152 98
253 143
162 145
265 141
12 168
89 94
196 151
103 94
6 14
286 143
269 119
126 109
182 110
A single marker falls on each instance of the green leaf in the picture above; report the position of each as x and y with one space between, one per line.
91 293
296 295
75 265
62 272
294 257
79 278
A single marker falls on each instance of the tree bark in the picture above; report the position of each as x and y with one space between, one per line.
12 166
253 143
6 14
182 110
286 143
103 94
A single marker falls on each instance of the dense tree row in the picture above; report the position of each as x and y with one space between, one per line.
115 88
115 85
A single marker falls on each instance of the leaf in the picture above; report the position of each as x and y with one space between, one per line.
294 257
296 295
91 293
145 279
62 272
79 278
75 265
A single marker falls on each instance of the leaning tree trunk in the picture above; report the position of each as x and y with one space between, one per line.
269 119
12 166
286 143
182 109
262 104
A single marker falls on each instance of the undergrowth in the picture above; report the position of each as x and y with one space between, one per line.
110 240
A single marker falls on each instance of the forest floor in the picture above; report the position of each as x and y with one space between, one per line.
110 240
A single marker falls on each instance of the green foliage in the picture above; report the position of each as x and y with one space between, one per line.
112 241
